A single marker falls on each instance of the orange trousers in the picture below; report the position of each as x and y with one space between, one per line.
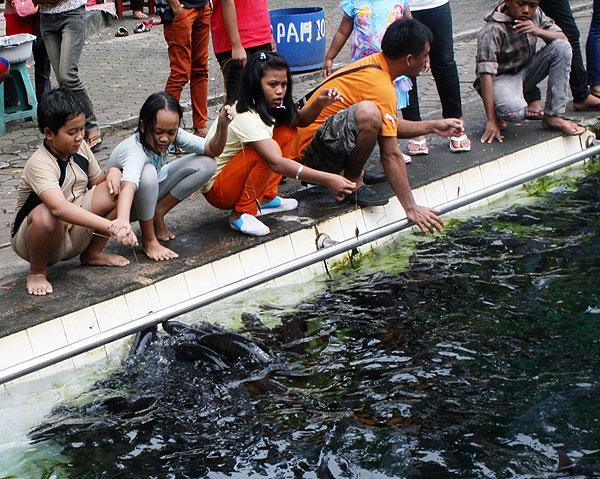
247 179
187 39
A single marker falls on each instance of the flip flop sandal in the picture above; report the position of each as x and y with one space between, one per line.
422 148
581 129
534 115
458 139
142 27
122 32
95 142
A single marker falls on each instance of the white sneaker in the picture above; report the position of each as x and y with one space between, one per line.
276 205
249 225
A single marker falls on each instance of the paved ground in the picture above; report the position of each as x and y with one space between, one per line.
121 72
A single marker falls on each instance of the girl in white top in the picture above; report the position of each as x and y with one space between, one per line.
259 145
148 181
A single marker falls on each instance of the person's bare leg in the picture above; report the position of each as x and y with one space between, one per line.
103 204
368 122
164 205
45 234
152 248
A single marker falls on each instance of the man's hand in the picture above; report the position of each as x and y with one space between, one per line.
492 132
425 218
226 115
449 127
238 55
327 97
113 181
526 26
339 186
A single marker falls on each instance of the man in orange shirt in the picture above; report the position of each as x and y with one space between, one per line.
344 134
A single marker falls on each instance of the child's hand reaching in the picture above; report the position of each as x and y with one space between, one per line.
328 96
226 115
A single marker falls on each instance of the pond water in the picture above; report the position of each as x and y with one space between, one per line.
480 359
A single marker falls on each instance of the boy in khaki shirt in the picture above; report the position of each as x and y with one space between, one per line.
63 198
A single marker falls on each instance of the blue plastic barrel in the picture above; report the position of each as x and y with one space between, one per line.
299 34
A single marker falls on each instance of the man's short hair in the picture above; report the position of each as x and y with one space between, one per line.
405 36
56 108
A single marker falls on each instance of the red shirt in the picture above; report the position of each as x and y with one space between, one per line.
253 24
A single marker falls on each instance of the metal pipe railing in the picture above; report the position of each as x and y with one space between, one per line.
157 317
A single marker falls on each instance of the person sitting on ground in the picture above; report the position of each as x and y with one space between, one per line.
148 181
239 28
508 64
344 134
258 141
63 198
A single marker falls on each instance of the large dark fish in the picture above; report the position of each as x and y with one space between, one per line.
226 345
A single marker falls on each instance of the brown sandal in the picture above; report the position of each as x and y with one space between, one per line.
94 142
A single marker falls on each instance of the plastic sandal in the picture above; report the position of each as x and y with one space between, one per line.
95 142
421 149
277 205
459 140
249 225
122 32
534 114
143 27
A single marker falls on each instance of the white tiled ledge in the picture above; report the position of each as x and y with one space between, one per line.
59 332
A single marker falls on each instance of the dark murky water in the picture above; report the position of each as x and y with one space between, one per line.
481 359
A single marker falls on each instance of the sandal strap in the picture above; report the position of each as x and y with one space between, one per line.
459 139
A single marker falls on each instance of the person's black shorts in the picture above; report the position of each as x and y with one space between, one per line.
333 142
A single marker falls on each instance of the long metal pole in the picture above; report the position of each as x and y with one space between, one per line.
196 302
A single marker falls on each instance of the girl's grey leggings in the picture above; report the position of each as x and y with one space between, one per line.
184 176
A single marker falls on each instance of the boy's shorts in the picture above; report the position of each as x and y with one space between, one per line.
333 142
77 238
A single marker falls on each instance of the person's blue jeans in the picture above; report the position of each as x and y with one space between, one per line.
443 66
592 47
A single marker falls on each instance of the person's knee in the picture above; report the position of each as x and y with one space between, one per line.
42 219
511 111
148 177
368 116
562 49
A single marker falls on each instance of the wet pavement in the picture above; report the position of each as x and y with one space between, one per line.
121 72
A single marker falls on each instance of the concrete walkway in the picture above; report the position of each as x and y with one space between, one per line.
121 72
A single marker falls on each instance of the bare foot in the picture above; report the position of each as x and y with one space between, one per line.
154 250
591 102
565 126
104 259
38 284
140 15
162 232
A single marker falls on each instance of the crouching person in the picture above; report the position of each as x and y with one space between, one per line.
63 198
509 67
